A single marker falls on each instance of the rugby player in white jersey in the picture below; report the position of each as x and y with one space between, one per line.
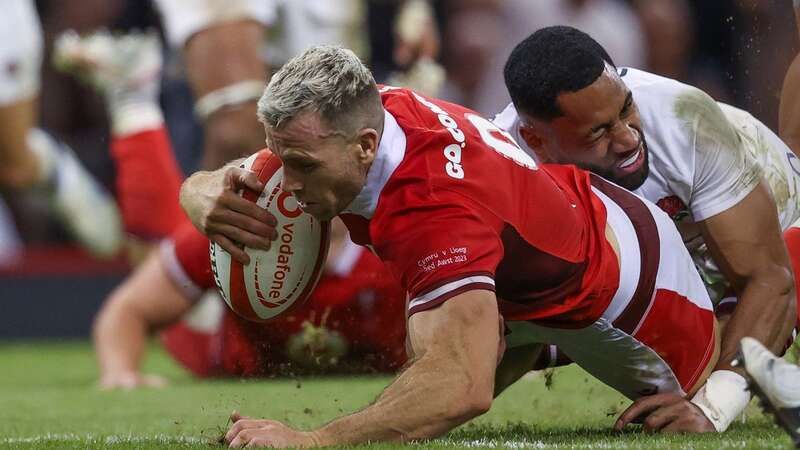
720 173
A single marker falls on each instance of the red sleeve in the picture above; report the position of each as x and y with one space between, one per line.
185 256
439 248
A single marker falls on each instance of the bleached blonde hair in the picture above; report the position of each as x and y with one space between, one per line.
329 80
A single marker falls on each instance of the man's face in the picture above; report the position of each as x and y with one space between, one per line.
600 131
324 170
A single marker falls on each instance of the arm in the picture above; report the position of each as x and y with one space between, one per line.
146 301
450 381
789 109
745 242
212 203
224 55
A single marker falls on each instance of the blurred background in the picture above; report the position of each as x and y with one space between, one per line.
736 50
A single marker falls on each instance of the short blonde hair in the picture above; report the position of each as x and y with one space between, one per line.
328 79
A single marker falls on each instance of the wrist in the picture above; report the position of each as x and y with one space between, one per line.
319 438
722 398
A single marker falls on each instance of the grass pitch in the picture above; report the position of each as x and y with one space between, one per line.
49 400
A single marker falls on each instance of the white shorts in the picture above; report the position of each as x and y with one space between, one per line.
183 18
659 333
20 51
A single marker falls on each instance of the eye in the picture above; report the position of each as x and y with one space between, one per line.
306 167
596 135
627 108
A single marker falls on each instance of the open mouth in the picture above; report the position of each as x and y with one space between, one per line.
630 160
634 161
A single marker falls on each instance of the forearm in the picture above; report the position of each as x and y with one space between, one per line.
119 341
765 311
425 401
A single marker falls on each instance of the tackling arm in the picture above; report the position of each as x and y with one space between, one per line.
746 243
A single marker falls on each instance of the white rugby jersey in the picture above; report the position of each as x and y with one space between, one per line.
705 157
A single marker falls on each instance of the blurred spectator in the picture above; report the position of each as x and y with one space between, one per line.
33 161
474 60
738 55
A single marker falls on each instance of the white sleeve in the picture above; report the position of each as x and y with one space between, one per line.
21 47
176 272
183 18
724 170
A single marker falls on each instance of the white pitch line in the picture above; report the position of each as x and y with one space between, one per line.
524 444
111 439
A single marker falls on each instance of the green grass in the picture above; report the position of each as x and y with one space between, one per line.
48 400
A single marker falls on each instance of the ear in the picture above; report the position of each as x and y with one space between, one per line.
535 141
367 141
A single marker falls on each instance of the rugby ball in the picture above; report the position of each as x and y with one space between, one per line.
282 278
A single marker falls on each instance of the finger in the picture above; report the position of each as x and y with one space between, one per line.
675 426
234 431
639 408
248 208
243 222
245 179
242 237
664 416
237 442
234 250
235 417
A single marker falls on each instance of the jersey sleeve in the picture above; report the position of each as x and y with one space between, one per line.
439 248
725 172
185 257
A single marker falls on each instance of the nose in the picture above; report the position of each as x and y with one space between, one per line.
624 138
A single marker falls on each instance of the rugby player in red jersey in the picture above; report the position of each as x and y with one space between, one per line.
353 322
497 254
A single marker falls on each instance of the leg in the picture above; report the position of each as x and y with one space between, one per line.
19 166
126 70
19 87
792 238
516 362
217 57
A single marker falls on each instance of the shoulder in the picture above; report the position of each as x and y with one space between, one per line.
667 99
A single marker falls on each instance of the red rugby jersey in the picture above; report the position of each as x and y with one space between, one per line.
452 204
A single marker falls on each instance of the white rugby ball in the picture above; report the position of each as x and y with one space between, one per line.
277 280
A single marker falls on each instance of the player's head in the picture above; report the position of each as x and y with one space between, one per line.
574 108
323 117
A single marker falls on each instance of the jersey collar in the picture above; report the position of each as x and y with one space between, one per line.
391 150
